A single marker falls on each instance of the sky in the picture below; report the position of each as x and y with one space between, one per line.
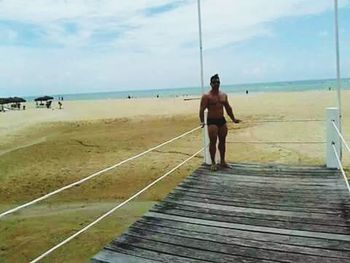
77 46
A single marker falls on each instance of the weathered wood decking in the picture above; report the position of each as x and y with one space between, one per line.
250 213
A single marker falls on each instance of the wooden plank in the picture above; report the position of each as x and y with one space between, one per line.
243 178
108 256
262 174
268 180
279 185
229 249
280 166
273 179
282 172
276 172
309 218
256 202
121 245
262 183
217 238
340 195
246 218
341 247
270 175
330 199
268 188
275 230
184 251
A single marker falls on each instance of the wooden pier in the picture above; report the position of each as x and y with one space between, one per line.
250 213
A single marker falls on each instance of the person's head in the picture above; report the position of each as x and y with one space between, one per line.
215 82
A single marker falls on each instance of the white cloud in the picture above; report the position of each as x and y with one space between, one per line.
139 48
224 21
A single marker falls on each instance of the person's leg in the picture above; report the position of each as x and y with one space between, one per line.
222 133
213 135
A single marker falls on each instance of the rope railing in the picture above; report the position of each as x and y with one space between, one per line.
341 167
277 142
290 120
341 136
113 209
93 175
280 142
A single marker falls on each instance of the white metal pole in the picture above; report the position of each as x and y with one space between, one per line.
200 44
336 24
207 159
205 131
332 138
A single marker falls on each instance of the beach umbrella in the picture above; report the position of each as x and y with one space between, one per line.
44 98
11 100
3 101
15 100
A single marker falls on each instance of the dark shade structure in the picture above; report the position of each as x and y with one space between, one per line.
44 98
11 100
3 101
16 100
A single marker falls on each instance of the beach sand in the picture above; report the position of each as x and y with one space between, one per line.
42 150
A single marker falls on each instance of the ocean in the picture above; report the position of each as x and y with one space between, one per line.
305 85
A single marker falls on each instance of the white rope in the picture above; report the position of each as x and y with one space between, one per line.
112 210
93 175
295 120
341 136
277 142
341 167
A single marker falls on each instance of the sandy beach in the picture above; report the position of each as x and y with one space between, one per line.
44 149
17 128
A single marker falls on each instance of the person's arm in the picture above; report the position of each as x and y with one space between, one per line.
229 110
203 106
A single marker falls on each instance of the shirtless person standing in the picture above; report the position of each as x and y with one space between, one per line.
215 101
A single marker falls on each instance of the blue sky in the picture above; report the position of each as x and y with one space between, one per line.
66 46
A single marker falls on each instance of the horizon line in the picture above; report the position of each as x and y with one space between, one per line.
183 87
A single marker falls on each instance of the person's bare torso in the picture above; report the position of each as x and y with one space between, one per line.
215 104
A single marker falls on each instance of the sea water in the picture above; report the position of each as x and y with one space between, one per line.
290 86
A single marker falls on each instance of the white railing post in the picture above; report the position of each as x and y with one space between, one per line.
332 137
206 141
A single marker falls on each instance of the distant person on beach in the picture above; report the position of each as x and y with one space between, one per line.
246 92
60 105
215 101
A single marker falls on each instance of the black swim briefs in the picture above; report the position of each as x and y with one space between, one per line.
218 122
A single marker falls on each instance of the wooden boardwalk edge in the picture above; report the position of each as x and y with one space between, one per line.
250 213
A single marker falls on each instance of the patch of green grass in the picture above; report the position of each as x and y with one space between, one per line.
72 151
28 234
